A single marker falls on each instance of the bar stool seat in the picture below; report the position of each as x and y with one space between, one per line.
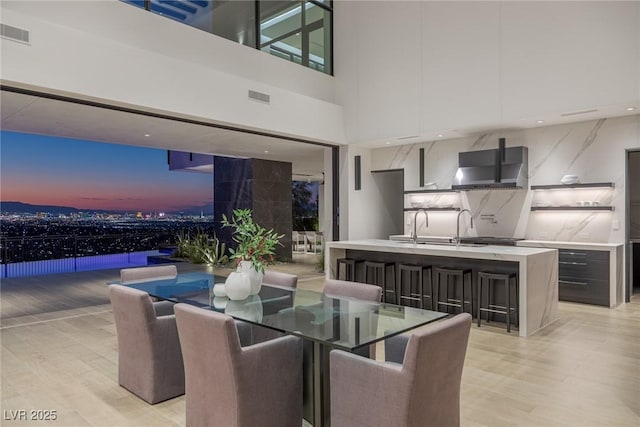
454 294
350 265
506 280
377 272
412 291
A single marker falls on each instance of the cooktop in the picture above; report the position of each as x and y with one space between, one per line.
491 240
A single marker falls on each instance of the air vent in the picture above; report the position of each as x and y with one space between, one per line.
575 113
14 33
259 96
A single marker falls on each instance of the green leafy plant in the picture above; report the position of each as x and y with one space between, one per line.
200 248
214 253
182 245
254 242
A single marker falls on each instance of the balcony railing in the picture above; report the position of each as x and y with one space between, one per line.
34 255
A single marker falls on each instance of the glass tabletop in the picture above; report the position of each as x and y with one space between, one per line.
345 323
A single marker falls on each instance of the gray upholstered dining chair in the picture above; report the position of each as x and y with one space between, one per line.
252 334
149 356
133 275
229 385
272 277
363 291
141 274
342 288
423 390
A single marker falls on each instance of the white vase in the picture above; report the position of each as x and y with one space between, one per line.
237 286
219 290
255 277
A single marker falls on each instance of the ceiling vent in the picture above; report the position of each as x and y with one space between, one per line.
259 96
14 33
575 113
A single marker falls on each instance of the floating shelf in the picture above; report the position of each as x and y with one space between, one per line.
577 185
572 208
443 190
432 209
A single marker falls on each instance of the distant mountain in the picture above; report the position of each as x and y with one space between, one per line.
19 207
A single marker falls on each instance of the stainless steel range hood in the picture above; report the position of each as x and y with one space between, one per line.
493 169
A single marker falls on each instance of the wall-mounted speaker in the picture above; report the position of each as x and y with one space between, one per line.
358 171
421 179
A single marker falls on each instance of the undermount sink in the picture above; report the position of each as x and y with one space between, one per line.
436 241
472 245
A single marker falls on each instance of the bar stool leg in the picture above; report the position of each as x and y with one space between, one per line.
480 282
517 304
507 284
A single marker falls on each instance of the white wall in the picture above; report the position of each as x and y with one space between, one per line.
115 52
593 150
411 68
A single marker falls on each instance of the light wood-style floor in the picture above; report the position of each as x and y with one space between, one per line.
59 352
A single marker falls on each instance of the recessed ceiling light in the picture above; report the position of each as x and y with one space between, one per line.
539 121
147 135
387 143
631 108
266 151
440 135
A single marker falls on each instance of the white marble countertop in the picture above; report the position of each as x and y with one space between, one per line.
506 253
568 245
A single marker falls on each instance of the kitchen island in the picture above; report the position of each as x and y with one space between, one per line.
537 269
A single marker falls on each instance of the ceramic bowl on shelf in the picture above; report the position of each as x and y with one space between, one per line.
431 186
543 204
417 204
570 179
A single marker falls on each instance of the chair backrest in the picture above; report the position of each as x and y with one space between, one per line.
424 390
227 385
342 288
434 359
149 357
272 277
133 313
142 274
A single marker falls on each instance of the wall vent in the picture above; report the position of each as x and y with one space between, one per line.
259 96
14 33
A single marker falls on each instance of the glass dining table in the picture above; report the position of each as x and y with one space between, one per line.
323 322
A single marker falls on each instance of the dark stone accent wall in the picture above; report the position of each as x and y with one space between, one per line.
272 205
264 186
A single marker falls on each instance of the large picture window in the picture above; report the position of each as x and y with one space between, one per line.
298 31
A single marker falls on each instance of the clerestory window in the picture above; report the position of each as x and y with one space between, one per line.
298 31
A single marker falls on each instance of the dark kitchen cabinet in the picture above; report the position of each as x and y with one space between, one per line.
583 276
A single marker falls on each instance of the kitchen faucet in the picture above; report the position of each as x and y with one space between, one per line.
457 238
414 236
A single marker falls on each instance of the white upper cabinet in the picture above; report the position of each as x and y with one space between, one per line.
456 68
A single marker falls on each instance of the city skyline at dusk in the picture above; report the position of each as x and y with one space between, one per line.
88 175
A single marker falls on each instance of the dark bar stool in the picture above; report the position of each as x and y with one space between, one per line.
506 280
412 290
378 271
454 286
349 268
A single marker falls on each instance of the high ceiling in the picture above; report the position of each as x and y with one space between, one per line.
54 117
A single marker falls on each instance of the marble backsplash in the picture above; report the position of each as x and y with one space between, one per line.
593 150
